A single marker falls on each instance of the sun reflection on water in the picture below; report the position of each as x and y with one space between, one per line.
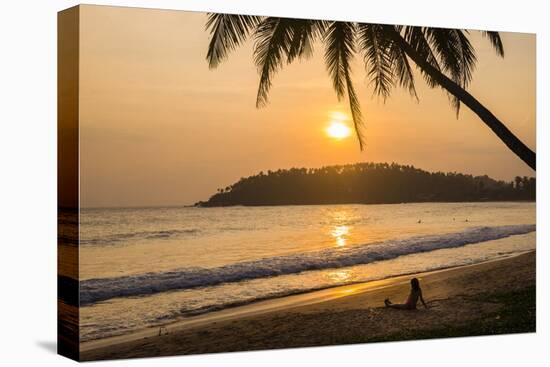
339 233
339 276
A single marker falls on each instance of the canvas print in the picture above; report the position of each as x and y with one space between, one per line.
236 182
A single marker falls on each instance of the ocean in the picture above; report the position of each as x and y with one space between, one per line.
145 267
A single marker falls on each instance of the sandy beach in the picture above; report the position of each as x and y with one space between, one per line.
489 298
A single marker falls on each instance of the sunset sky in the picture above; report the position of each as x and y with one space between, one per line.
158 127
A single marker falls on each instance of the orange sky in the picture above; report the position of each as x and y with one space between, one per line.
157 127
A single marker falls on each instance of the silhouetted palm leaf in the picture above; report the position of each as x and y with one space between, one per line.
277 39
355 108
273 40
305 32
378 57
228 31
402 69
456 56
495 40
454 52
339 48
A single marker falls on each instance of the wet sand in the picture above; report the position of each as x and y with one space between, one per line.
459 300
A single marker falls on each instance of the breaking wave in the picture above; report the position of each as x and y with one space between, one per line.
96 290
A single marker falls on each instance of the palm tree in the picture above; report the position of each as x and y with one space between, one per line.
445 58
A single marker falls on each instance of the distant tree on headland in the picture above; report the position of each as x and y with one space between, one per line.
367 183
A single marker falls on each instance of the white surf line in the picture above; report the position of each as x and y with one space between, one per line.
102 289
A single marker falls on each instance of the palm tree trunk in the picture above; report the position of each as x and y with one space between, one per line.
511 141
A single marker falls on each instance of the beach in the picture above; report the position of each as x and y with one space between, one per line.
492 297
142 268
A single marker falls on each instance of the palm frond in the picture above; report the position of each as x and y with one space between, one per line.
494 38
304 34
454 51
227 31
456 55
468 61
339 41
339 48
355 108
416 38
378 60
402 69
274 37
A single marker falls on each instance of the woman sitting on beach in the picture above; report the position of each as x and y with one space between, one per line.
415 294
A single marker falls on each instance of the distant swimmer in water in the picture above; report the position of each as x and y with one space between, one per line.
412 300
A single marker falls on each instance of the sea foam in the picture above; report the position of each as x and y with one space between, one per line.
101 289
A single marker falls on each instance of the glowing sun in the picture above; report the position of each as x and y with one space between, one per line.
338 130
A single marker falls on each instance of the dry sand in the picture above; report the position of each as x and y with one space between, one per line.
342 315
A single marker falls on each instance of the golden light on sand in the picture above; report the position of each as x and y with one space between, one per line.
338 130
348 291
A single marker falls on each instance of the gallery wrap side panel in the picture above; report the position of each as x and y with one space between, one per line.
68 183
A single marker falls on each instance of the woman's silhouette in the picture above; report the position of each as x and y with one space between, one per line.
410 304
